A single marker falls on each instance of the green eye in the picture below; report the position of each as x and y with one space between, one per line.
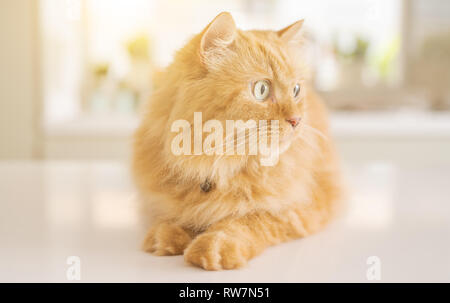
296 90
261 90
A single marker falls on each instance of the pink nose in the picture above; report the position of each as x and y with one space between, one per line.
293 121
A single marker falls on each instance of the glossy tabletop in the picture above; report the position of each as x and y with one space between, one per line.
396 227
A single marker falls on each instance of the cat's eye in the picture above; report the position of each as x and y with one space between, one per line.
296 90
261 90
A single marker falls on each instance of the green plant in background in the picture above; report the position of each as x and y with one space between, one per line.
138 47
358 53
100 71
384 62
98 100
360 50
351 62
136 84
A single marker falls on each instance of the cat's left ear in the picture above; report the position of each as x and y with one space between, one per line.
292 33
219 33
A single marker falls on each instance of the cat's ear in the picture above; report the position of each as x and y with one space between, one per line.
292 33
219 33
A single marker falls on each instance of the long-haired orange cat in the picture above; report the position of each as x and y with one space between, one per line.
220 210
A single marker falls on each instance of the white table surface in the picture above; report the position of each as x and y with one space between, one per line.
52 210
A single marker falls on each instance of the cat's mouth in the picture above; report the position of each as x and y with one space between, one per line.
288 136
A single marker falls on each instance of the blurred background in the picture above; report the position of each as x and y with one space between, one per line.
75 72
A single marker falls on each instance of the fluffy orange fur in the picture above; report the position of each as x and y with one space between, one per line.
250 206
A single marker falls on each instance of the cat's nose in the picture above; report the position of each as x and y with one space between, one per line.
294 121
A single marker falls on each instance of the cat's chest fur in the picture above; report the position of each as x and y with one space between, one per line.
270 189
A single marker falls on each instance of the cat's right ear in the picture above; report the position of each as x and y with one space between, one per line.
292 33
218 34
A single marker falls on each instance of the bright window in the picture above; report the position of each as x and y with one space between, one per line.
99 55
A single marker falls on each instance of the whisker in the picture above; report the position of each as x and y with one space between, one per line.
315 131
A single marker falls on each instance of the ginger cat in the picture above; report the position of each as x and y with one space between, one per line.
221 210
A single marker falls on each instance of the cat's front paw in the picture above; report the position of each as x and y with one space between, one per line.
216 251
166 239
